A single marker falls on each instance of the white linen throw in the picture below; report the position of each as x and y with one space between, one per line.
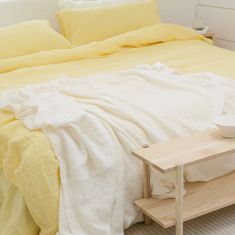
93 123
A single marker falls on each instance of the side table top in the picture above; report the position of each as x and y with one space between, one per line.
188 150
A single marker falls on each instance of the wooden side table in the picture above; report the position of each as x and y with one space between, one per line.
201 198
209 35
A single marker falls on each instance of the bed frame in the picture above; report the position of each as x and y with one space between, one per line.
15 11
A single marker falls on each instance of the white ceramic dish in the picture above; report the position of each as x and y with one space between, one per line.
226 124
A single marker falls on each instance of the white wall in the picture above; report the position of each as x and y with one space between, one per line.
172 11
178 11
14 11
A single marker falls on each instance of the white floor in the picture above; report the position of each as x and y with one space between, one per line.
221 222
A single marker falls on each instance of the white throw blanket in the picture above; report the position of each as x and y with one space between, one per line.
93 124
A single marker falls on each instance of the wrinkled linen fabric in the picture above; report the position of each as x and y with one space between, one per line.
93 124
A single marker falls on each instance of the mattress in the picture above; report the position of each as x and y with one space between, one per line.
29 170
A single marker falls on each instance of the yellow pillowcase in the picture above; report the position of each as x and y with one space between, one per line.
29 37
81 26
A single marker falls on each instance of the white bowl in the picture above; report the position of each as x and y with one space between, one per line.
226 124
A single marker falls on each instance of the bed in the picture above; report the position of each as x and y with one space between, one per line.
30 172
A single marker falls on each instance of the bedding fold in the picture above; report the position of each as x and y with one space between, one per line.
33 179
158 33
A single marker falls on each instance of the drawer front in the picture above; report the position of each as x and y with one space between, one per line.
229 4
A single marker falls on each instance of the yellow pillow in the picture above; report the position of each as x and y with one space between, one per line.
81 26
29 37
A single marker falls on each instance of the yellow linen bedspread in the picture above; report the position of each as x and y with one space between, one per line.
29 170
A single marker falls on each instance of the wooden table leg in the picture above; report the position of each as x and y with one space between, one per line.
179 199
147 191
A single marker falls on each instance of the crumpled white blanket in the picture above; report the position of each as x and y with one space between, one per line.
93 123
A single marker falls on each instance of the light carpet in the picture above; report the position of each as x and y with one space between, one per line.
220 222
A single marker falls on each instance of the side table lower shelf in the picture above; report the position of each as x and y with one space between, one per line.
201 198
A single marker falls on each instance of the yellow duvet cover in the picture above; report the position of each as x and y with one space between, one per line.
29 170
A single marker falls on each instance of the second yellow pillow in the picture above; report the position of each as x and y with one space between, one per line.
81 26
